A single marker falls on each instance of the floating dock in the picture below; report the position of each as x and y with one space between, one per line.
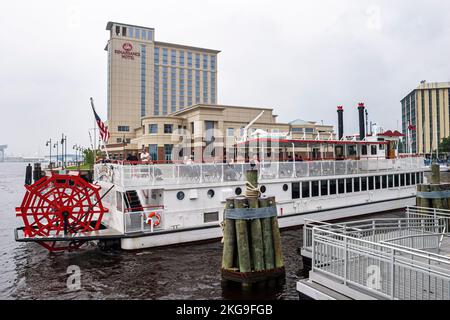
379 259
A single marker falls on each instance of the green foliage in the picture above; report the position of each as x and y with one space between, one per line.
444 145
89 158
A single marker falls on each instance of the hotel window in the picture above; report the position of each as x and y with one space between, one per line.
341 186
164 55
356 185
333 186
143 78
305 189
168 152
197 86
123 128
150 35
438 118
117 30
164 95
205 61
168 128
144 35
324 187
205 87
230 132
119 140
309 130
181 58
295 190
153 128
213 63
189 57
156 55
124 31
297 130
153 151
430 112
189 102
138 34
156 91
213 88
173 89
197 60
173 57
181 81
131 32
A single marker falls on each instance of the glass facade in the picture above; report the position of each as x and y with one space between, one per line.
164 94
197 60
213 87
153 151
438 118
168 152
205 61
197 86
205 87
181 89
143 79
430 118
156 91
189 85
173 89
173 57
156 58
213 63
182 58
164 56
189 54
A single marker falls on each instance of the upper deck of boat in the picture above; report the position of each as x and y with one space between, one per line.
141 175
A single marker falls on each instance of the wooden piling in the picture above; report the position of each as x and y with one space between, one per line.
229 237
266 224
276 237
242 237
435 174
257 239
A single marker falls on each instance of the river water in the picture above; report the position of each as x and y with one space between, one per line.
28 271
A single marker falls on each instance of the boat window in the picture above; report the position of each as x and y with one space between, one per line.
384 182
373 149
348 185
238 191
408 179
390 181
324 187
418 177
356 185
295 190
341 186
421 177
262 189
315 188
370 183
377 182
413 178
402 179
180 195
364 150
285 187
119 201
333 186
396 180
210 193
305 189
363 183
211 216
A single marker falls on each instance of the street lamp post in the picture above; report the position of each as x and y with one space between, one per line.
63 150
55 145
49 144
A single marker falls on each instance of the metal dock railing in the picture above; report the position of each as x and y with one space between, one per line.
390 258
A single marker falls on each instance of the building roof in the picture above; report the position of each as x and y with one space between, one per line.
215 106
427 86
180 46
300 122
111 23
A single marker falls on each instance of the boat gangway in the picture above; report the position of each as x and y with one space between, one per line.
405 258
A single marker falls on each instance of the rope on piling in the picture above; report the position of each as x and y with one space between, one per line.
251 191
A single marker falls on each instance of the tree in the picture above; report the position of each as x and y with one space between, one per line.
89 157
444 145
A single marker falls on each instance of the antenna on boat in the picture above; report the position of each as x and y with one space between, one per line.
245 133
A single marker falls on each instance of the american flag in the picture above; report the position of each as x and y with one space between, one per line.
411 126
104 133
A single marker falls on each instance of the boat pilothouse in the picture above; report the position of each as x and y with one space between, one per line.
326 178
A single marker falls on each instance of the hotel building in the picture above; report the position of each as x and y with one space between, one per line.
151 78
427 108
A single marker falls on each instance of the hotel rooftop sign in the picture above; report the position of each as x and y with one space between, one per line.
127 52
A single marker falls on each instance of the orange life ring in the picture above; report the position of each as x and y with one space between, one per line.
152 215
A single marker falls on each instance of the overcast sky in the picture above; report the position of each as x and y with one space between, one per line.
302 58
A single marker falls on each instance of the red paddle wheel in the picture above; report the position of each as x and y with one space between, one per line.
59 207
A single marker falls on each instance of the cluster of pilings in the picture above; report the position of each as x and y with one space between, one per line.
252 243
435 194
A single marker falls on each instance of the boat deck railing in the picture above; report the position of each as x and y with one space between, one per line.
390 258
173 174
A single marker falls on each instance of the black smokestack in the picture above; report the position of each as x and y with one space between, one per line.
340 112
362 130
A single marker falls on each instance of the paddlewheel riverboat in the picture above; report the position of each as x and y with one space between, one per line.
142 205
